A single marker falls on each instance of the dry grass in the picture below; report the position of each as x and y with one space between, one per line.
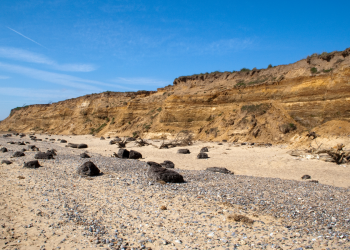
240 218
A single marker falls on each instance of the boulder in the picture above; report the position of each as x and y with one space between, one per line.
18 154
71 145
219 170
63 141
32 164
3 150
305 177
167 164
123 153
112 142
102 138
6 162
84 155
88 169
82 146
204 150
157 173
183 151
134 155
52 151
202 156
43 156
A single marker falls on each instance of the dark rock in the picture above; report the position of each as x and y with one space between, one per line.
167 164
38 139
183 151
130 139
52 140
63 141
123 153
18 154
88 169
314 181
6 162
134 155
112 142
44 156
219 170
157 173
71 145
3 150
23 150
21 143
11 142
108 137
204 150
82 146
202 156
224 140
102 138
305 177
220 143
243 143
32 164
52 151
84 155
4 136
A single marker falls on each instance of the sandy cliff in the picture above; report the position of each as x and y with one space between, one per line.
260 105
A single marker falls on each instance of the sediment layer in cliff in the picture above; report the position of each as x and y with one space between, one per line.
259 105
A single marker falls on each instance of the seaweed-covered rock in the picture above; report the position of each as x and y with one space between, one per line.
183 151
32 164
18 154
219 170
306 177
204 150
43 156
72 145
134 155
123 153
202 156
156 172
168 164
88 169
84 155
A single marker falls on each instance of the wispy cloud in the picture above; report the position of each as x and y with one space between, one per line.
61 79
27 56
4 77
26 37
140 81
39 94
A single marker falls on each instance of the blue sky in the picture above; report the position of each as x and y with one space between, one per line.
52 50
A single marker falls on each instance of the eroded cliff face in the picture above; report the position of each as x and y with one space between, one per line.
269 105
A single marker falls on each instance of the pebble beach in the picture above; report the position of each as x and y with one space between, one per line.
52 207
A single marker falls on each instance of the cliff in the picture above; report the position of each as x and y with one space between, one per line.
259 105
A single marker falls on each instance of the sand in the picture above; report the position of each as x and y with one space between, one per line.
256 161
53 208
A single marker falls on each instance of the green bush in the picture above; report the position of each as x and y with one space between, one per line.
313 70
245 70
270 66
159 109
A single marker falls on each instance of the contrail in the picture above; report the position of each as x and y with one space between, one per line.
26 37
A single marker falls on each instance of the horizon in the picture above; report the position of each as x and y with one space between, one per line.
61 49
